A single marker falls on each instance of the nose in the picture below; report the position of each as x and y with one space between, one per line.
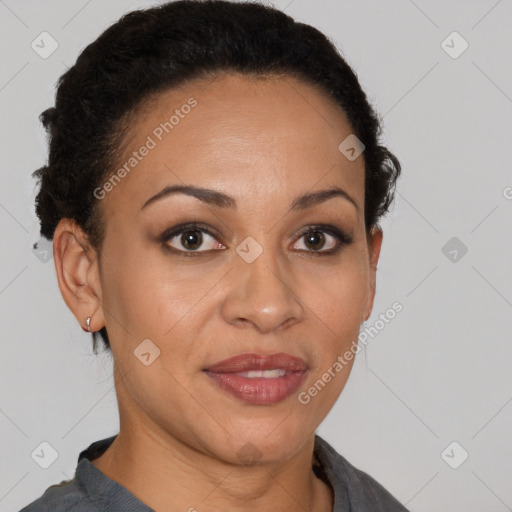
261 294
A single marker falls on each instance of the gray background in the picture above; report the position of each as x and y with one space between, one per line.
439 372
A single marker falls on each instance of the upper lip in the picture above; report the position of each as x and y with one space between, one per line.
249 362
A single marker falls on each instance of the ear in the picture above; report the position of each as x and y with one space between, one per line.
77 268
374 246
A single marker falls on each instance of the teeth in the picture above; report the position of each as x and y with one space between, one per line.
266 374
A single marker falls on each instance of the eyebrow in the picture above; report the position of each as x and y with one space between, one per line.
216 198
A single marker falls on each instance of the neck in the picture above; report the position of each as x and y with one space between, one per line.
160 469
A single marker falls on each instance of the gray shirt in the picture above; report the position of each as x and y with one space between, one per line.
92 491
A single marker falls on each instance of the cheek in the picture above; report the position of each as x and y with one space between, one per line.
337 304
131 292
146 300
337 300
336 296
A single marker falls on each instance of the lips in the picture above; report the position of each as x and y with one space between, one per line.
259 380
254 362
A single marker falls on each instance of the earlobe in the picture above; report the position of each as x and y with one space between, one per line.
76 266
374 247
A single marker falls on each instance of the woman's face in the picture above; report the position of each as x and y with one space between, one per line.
252 275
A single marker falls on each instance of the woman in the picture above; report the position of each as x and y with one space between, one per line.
213 191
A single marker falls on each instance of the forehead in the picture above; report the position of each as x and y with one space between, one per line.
253 138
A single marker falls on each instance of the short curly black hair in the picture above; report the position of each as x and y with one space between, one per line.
148 51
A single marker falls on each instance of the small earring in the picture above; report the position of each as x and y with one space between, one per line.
88 323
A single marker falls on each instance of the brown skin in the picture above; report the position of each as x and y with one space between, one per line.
264 143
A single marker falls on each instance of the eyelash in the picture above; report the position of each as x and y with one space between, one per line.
342 238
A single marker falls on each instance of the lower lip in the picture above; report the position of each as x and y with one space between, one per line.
258 390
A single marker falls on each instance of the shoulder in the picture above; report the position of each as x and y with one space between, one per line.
380 498
64 497
84 493
361 490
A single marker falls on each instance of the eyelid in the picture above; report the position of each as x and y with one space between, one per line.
186 226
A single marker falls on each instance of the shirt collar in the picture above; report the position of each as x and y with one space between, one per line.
107 493
341 477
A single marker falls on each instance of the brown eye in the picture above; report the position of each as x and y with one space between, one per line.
194 240
190 239
314 240
317 237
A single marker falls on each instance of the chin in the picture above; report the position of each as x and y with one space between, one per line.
266 442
